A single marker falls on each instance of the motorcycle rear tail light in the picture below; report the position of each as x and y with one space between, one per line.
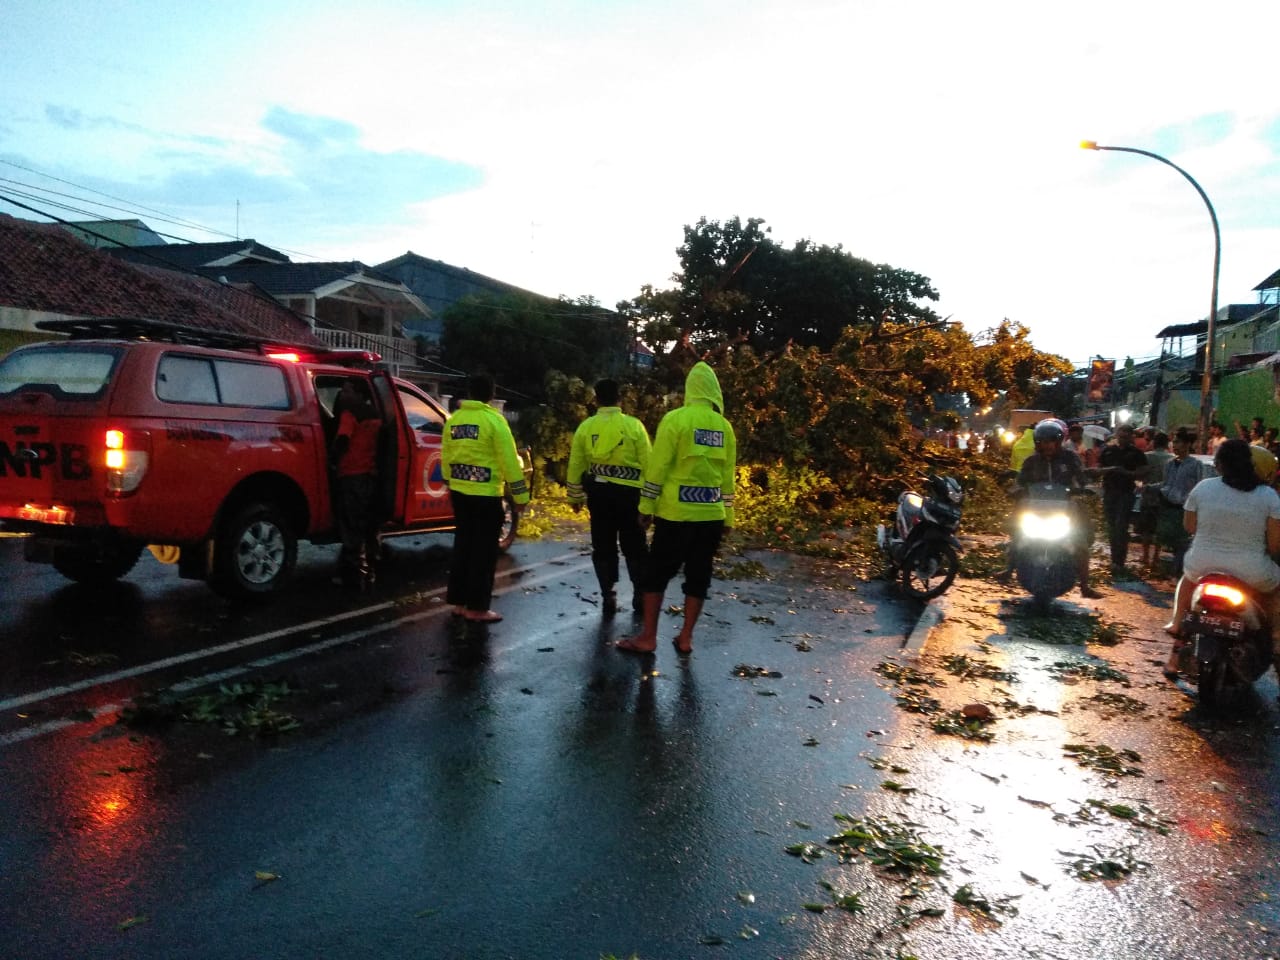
1225 593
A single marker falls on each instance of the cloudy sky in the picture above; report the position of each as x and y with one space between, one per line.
563 145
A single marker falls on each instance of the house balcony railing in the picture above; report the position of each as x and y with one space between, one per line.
396 352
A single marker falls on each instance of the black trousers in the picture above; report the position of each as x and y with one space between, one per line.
478 520
691 544
615 512
1117 512
358 524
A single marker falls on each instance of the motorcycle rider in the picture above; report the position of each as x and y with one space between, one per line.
1050 463
1234 522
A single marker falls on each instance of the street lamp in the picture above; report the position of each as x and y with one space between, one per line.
1206 379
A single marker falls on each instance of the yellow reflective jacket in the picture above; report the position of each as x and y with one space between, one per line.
1022 448
691 468
611 447
478 453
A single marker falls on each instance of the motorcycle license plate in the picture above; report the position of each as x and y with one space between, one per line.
1227 627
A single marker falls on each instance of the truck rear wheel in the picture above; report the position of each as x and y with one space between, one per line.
255 553
96 567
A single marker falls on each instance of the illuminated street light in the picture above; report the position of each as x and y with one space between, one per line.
1206 378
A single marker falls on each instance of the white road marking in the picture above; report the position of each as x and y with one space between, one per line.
285 655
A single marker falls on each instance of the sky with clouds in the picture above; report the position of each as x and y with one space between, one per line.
562 146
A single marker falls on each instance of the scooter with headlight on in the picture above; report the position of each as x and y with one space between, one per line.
1046 540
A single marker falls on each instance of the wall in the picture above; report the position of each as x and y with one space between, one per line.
1180 409
1248 394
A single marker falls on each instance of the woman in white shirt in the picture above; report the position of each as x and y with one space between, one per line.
1234 521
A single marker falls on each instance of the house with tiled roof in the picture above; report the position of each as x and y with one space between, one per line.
347 303
46 272
440 285
191 256
113 233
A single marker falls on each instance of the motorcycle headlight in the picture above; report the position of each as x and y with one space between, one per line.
1044 526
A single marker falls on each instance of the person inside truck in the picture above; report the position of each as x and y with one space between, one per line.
354 457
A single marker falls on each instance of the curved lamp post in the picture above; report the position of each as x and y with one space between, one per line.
1206 379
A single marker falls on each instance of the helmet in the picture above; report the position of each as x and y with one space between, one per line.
1050 429
1264 463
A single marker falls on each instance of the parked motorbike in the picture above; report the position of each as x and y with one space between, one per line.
1046 542
1229 637
922 547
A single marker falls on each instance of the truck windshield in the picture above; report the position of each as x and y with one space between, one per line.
79 373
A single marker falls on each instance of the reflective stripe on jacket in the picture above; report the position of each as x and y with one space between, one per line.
610 446
478 453
691 468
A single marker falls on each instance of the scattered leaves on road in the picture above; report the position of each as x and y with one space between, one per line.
1105 759
894 847
748 672
956 724
1115 864
1089 671
901 674
968 669
238 708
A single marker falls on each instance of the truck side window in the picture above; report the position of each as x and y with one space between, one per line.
421 415
252 385
182 379
185 380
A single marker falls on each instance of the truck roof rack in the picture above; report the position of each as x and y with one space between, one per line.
137 328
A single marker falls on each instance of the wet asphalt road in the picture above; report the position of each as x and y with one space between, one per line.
526 791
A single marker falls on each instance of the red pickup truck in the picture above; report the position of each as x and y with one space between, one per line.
127 433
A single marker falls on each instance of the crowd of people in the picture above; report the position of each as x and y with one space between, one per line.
1153 486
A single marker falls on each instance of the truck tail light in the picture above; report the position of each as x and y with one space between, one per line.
128 455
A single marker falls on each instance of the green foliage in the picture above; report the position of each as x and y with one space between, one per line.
828 364
548 428
894 847
736 284
518 338
764 498
546 511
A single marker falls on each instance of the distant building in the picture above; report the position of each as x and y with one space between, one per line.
346 303
113 233
440 285
49 273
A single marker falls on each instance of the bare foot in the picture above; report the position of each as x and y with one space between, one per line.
683 644
636 645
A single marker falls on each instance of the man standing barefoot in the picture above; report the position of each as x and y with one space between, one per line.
688 495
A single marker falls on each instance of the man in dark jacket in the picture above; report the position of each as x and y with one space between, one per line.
1122 466
1052 464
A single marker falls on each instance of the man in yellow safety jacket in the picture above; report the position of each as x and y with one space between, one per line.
688 488
609 453
477 457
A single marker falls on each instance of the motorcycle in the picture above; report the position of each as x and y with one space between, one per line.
922 547
1046 541
1229 638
